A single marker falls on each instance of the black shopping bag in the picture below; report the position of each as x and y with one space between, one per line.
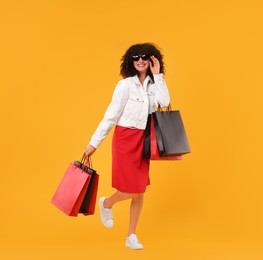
170 133
88 204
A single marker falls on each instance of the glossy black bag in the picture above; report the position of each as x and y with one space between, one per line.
170 133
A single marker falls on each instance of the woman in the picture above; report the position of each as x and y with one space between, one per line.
134 98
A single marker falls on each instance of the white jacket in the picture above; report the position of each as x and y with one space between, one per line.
131 103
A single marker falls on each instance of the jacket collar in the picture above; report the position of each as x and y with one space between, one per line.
146 81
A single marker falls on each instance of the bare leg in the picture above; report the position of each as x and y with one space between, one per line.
135 210
118 196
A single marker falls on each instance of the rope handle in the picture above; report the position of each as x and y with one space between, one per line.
86 160
164 109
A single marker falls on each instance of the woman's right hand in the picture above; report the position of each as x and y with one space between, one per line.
89 150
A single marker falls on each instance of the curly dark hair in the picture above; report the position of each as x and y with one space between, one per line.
127 68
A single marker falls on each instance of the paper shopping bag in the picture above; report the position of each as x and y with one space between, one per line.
89 201
154 150
76 192
71 190
170 133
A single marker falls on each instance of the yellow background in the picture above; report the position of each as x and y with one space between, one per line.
59 66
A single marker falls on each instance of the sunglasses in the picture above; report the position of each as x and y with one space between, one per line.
137 57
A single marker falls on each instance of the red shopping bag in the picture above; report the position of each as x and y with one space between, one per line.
77 190
154 151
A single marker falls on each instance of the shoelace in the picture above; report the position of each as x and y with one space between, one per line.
108 214
135 241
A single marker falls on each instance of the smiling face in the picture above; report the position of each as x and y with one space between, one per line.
141 63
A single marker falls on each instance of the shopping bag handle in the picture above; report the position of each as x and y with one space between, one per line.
164 109
86 160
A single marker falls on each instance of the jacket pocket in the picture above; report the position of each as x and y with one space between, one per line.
133 108
151 93
136 99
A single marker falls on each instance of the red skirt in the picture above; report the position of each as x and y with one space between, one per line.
130 172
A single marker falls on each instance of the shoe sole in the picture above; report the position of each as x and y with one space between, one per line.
129 246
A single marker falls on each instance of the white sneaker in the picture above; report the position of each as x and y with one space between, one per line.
133 242
105 214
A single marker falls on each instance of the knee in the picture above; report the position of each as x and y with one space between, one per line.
137 196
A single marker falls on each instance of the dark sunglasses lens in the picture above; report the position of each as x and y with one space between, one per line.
145 57
137 57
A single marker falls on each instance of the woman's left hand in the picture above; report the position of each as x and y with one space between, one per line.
155 67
